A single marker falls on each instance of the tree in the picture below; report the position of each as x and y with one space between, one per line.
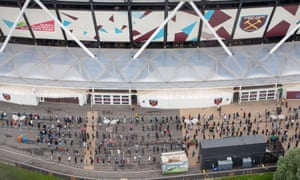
288 166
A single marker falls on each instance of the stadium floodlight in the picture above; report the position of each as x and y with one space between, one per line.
285 38
54 18
210 28
170 16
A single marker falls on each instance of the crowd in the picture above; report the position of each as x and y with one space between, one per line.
284 126
136 141
133 142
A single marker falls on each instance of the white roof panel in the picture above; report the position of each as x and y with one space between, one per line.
154 69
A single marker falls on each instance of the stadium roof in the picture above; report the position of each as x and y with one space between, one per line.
155 69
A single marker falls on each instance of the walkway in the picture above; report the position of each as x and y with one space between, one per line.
91 128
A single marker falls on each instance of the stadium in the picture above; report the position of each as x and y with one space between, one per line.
159 54
104 60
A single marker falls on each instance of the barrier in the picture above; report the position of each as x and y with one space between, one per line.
22 139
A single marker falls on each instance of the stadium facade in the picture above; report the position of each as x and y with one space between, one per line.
157 54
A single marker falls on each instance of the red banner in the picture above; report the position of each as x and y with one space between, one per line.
48 26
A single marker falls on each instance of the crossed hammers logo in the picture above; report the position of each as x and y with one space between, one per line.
252 25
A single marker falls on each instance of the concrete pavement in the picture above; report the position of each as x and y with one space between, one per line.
38 154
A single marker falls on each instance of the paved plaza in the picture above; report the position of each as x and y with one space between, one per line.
113 142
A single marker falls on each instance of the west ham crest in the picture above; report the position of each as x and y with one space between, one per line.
252 23
6 96
218 101
153 102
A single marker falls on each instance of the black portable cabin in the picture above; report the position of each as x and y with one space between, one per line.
232 148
